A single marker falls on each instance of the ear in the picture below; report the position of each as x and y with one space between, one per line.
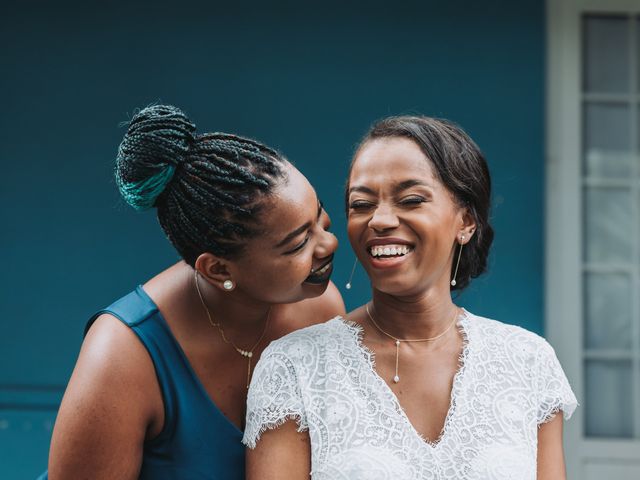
467 226
213 269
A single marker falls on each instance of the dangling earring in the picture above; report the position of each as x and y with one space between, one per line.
228 285
348 285
455 274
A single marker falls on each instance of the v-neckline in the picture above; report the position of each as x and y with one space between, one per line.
198 383
368 356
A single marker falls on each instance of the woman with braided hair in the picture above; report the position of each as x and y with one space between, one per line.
160 385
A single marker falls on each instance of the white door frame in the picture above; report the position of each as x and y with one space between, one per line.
563 213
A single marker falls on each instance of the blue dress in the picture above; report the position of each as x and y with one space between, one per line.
197 441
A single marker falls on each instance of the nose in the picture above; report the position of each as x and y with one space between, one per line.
327 244
383 218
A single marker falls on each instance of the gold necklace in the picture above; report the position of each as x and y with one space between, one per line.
398 341
248 354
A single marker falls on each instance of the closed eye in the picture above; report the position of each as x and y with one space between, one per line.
412 200
298 247
360 205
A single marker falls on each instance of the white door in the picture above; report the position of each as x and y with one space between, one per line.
593 228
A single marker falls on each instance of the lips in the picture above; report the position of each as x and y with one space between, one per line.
387 241
321 274
388 246
388 252
391 249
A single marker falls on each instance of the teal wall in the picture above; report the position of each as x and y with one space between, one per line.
307 80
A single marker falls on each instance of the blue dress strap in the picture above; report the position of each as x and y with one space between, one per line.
132 309
197 441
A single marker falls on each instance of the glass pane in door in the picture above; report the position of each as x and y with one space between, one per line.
607 140
606 48
609 408
608 313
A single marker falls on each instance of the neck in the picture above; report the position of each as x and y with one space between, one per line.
242 319
422 316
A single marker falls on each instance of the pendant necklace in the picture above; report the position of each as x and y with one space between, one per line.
248 354
399 341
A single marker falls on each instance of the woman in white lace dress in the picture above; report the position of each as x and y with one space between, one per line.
410 386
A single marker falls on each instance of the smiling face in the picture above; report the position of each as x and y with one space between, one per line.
403 223
292 259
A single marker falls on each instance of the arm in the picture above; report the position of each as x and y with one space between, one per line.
556 403
276 429
550 453
109 407
280 453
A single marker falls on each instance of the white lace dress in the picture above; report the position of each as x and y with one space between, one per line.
509 382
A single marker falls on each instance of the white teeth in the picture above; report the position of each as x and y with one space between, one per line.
379 250
322 270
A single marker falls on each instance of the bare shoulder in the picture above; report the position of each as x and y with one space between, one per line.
111 352
318 309
111 404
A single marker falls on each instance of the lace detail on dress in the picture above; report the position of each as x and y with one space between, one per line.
508 382
554 393
370 356
273 379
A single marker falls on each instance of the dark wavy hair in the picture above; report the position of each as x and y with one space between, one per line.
208 189
463 170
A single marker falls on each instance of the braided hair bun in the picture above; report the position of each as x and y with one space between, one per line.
209 190
156 143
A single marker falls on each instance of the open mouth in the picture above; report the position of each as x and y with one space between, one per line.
392 250
322 274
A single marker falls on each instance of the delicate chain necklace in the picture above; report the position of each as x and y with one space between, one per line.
248 354
398 341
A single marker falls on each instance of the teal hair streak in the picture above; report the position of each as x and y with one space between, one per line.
142 195
157 142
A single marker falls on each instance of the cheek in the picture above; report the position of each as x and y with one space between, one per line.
355 228
292 270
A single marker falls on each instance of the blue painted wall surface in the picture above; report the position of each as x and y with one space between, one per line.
305 79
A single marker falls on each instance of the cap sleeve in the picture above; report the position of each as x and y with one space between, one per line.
274 395
553 389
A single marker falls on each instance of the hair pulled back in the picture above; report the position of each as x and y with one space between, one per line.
461 167
207 189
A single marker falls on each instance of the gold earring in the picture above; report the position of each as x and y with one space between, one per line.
455 274
348 285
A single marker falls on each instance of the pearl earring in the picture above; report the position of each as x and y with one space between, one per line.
455 274
228 285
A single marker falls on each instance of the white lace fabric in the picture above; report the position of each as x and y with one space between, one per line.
509 382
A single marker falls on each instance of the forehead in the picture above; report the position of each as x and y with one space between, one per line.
387 159
292 204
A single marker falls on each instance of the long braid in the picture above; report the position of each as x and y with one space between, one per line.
208 189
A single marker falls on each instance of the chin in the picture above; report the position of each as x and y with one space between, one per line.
313 290
305 292
398 285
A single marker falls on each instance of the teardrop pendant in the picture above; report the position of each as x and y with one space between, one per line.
396 378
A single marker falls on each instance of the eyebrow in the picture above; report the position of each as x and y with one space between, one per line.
298 230
410 183
396 189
